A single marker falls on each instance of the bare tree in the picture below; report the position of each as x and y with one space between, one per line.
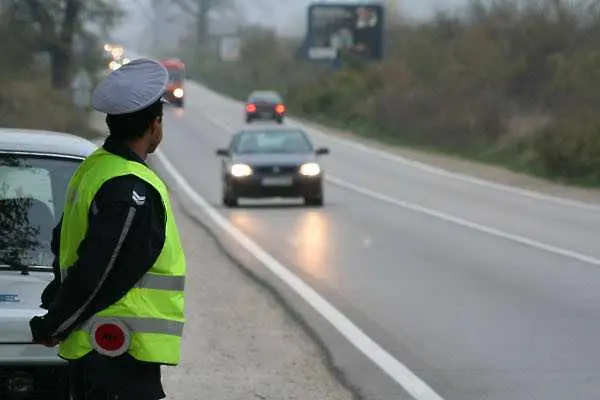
200 10
57 23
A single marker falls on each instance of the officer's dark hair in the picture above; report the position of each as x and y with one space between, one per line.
128 127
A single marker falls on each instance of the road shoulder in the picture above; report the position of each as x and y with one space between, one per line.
239 342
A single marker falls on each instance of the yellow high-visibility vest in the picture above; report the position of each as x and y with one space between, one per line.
153 311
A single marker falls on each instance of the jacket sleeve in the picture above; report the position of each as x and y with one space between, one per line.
49 293
118 224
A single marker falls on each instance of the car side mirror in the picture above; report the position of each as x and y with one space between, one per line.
222 152
322 151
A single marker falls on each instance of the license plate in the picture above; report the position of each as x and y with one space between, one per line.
277 181
9 298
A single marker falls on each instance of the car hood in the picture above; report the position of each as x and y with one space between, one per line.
274 159
19 301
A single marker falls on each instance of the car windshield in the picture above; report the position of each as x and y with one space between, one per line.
176 74
32 198
272 141
269 97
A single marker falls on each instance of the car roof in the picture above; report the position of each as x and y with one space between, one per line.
44 142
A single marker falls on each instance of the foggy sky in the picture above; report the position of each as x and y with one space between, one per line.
287 16
290 15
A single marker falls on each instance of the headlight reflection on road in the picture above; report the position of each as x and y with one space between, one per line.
246 222
312 244
308 245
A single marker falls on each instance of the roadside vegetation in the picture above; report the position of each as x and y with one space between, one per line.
515 83
43 45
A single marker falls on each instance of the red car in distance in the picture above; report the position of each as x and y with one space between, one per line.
175 92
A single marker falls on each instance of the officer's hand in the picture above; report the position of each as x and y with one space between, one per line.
40 333
50 343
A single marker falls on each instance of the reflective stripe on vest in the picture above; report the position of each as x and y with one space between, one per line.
153 311
150 281
161 282
141 325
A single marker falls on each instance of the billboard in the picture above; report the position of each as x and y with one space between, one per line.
343 27
230 48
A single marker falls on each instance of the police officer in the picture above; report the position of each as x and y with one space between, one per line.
117 306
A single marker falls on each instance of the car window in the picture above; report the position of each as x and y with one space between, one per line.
26 182
32 198
271 97
176 74
284 141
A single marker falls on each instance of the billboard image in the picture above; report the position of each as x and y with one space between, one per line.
355 28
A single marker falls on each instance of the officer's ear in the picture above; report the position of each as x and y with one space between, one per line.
156 125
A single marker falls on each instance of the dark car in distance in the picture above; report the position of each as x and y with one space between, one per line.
272 162
265 105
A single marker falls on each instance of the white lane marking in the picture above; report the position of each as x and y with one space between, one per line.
429 168
391 366
467 224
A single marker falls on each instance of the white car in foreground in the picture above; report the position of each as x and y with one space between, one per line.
35 168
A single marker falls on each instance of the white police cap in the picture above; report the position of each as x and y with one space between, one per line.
133 87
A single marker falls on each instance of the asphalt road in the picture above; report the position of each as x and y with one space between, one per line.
482 292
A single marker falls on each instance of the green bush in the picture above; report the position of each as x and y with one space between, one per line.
570 148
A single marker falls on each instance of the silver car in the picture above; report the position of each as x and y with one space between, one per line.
35 168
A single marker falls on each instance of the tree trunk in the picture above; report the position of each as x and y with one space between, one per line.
61 56
57 37
202 23
60 63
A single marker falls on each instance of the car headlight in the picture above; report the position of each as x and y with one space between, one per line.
310 169
178 93
240 170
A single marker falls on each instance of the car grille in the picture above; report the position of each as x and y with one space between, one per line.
47 383
275 170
